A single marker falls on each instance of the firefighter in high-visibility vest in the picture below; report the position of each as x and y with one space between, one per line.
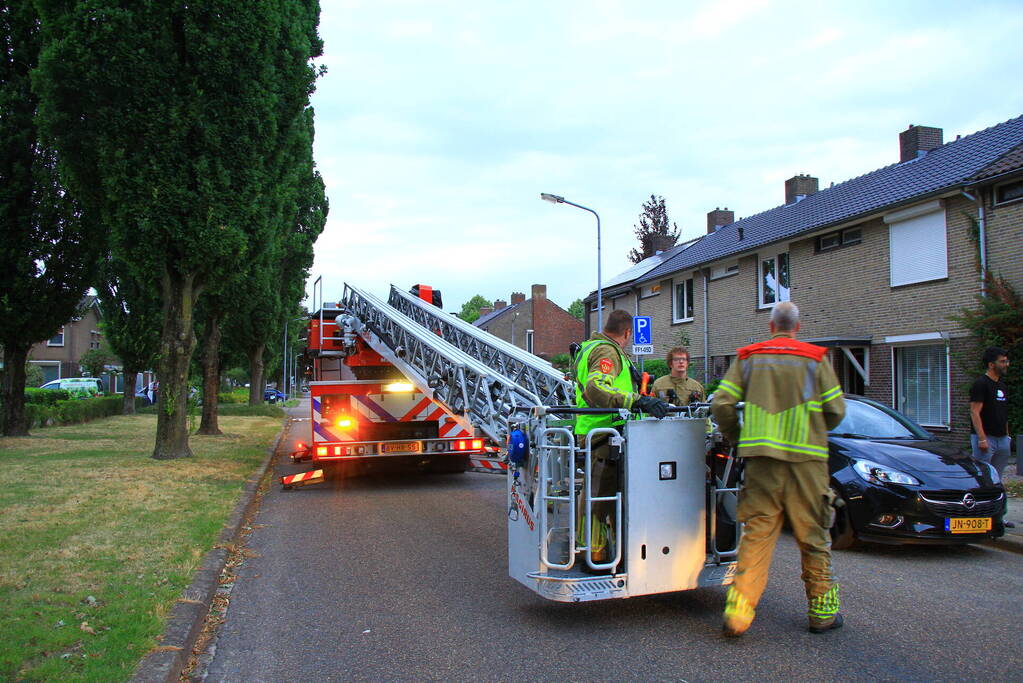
792 398
604 379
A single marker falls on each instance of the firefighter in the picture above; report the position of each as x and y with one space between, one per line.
604 379
677 387
792 398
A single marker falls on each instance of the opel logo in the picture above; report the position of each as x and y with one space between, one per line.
969 501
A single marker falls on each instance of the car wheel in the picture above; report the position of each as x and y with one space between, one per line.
842 534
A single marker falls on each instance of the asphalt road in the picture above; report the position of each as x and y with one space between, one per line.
404 578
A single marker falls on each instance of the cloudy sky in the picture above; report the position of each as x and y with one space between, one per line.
440 123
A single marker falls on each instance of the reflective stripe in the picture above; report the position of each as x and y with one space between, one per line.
825 606
807 449
738 609
731 388
831 394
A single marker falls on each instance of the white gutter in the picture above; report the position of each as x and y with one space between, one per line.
706 328
981 238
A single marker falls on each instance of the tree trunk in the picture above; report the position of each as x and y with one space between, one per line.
12 392
210 377
177 342
256 375
128 406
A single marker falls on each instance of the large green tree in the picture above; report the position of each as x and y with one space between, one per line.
48 244
168 115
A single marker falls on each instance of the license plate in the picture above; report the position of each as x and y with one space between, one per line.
402 447
967 525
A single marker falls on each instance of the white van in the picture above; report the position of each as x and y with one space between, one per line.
80 387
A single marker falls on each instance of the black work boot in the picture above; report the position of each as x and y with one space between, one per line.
822 626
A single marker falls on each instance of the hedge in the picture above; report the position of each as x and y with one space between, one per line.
72 411
46 397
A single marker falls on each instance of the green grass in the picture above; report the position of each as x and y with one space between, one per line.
1014 487
97 539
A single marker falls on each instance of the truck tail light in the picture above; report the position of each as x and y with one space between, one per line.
321 450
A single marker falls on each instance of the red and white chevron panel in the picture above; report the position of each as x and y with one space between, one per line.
302 479
483 463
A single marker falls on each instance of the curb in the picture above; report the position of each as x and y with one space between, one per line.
165 662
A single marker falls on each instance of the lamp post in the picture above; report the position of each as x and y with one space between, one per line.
555 199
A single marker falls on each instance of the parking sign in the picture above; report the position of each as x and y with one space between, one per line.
642 335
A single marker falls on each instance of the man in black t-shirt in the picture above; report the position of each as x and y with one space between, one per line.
989 411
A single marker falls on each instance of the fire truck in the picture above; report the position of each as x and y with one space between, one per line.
366 411
426 386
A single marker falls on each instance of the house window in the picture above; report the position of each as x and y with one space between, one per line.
724 270
649 290
94 339
774 279
921 383
1009 192
57 339
682 305
529 341
51 369
919 251
839 238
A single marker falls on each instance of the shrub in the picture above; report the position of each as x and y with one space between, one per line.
234 396
656 367
561 361
46 397
236 409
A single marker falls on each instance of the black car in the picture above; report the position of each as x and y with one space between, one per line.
897 483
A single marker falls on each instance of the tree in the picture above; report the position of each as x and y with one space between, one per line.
577 309
471 309
996 319
653 228
131 323
48 244
169 117
94 362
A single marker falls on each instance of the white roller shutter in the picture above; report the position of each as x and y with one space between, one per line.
919 246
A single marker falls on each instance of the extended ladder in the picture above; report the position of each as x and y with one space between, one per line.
472 390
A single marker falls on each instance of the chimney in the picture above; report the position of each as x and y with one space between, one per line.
661 243
718 218
517 298
486 310
539 292
799 187
499 304
917 141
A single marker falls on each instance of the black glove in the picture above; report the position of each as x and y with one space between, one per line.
651 406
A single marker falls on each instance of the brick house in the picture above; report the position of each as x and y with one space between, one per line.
60 355
877 264
537 324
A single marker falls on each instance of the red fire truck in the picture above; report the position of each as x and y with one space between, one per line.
366 413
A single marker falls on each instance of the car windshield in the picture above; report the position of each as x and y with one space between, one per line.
875 422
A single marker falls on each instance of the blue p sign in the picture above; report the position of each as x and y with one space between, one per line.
641 332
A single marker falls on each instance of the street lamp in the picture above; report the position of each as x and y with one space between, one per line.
555 199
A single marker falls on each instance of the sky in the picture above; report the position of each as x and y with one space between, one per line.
438 124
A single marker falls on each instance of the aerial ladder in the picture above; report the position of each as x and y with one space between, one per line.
674 511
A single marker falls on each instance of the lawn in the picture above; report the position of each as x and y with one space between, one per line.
97 539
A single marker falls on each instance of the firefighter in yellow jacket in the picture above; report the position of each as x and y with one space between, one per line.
604 379
792 398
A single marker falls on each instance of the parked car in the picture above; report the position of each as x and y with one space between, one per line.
273 396
79 387
897 483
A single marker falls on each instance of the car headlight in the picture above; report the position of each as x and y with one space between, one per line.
879 474
995 477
